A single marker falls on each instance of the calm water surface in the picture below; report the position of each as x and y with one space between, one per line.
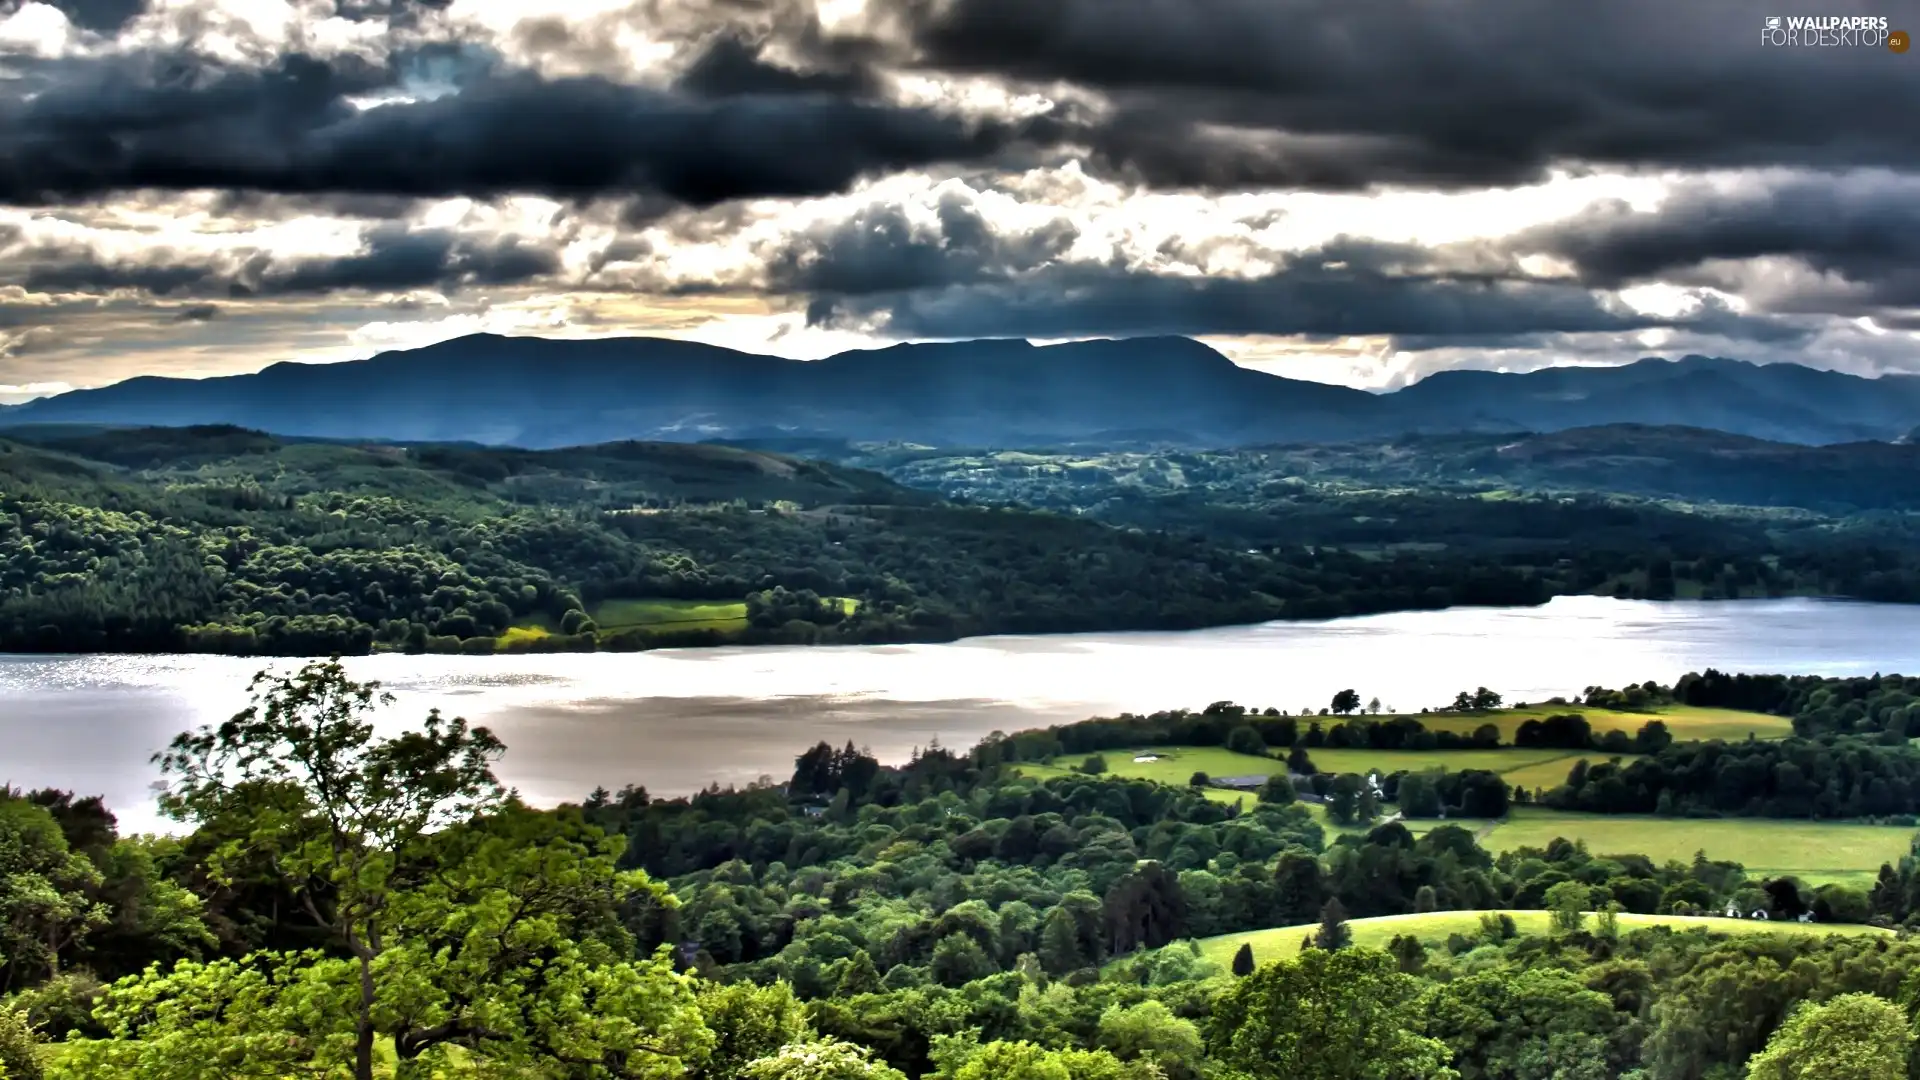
676 720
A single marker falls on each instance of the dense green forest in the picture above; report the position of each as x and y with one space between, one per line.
224 540
339 904
1646 513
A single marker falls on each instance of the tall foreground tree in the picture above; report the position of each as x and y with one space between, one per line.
46 906
453 915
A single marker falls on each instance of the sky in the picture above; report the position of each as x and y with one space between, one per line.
1351 191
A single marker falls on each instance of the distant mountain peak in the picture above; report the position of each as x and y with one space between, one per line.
541 392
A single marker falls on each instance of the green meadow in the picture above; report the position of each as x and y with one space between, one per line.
1434 927
726 616
1540 767
1687 722
1816 852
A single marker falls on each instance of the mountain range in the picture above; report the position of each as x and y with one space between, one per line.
537 392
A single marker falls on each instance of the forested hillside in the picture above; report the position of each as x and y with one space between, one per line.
1629 512
222 540
343 905
225 540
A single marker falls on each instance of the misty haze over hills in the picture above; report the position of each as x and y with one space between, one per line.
537 392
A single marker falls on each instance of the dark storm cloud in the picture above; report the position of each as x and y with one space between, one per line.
197 313
100 16
1865 229
1338 291
105 127
395 259
729 67
1314 93
879 249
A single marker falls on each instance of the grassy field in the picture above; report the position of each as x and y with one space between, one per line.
1815 851
671 614
1685 721
1543 768
1433 928
726 616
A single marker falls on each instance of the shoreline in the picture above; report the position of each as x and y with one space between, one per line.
713 642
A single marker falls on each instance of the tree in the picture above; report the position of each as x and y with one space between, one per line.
1094 765
1245 740
1425 899
1199 779
958 960
826 1059
1345 702
1299 887
1298 762
1852 1037
1278 790
1419 795
1243 959
1568 901
1334 933
1409 953
1144 909
1343 799
1606 923
1484 699
1524 1025
861 976
1150 1032
455 918
1060 950
1345 1015
47 906
19 1046
749 1023
1373 706
962 1058
1367 808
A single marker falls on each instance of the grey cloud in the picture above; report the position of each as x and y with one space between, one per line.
175 124
880 249
1313 93
1323 294
101 16
729 66
1864 228
395 259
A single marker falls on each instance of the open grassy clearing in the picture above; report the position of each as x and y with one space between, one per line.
726 616
671 614
1327 759
1433 928
1817 852
1685 721
1550 774
1545 767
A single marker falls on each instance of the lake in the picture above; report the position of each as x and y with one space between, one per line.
676 720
